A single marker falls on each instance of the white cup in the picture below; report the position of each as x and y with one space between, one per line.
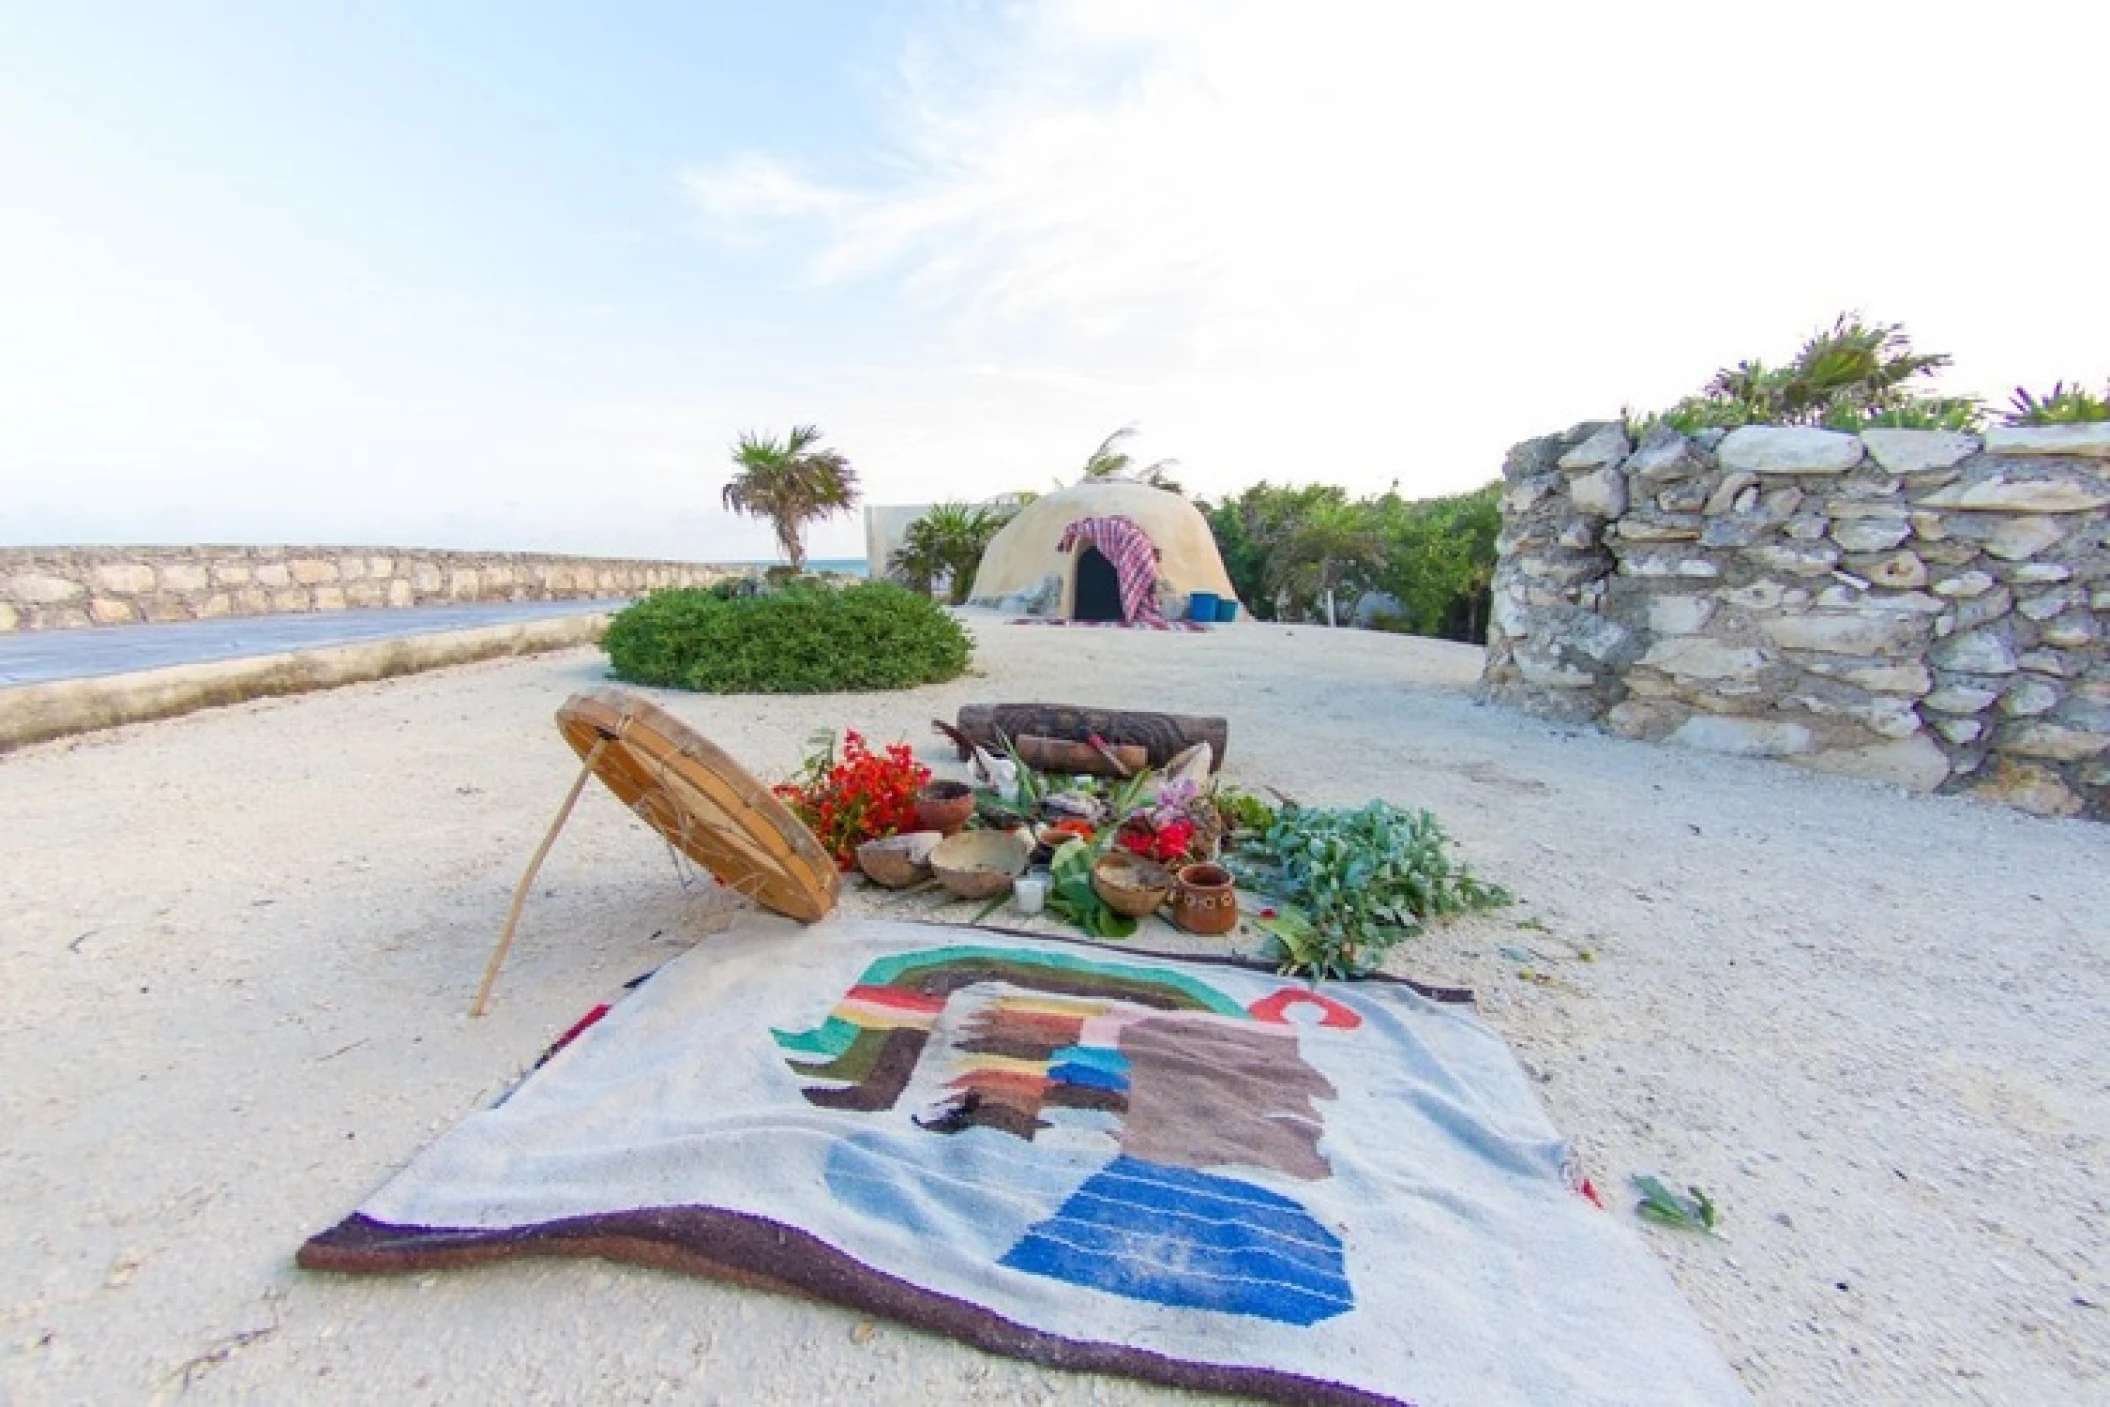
1030 894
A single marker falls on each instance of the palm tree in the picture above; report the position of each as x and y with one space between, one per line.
1110 461
949 537
1315 553
790 483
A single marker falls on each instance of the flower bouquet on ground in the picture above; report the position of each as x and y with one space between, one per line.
858 796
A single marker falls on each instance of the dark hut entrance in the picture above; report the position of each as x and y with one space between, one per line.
1098 587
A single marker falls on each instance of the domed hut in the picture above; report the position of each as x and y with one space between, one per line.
1102 550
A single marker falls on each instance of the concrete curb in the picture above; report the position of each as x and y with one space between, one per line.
35 713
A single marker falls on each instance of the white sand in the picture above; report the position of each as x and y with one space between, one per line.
237 947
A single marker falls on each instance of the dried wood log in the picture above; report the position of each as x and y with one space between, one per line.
1080 759
1163 736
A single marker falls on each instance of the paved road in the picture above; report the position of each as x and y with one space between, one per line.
48 656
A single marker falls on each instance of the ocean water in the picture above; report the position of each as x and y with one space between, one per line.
855 566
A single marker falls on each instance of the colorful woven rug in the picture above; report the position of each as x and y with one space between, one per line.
1160 624
1197 1174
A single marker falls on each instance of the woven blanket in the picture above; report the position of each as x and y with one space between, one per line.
1198 1174
1135 560
1192 627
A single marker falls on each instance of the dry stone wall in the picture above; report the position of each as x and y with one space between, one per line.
61 588
1919 607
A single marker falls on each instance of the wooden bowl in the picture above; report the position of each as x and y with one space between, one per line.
899 860
1130 884
979 864
944 806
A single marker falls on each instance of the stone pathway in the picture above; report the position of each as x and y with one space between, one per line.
51 656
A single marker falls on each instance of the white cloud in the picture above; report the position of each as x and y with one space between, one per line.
1287 233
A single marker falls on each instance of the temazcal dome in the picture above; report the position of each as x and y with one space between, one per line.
1026 570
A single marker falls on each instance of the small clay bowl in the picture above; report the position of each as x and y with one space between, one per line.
979 864
1131 885
944 806
1205 900
899 860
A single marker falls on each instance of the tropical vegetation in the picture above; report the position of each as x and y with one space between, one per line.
1111 461
801 638
947 541
2062 405
791 483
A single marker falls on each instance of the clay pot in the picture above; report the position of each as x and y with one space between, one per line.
1204 901
1131 885
944 806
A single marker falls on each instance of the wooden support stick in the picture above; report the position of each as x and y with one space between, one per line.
505 939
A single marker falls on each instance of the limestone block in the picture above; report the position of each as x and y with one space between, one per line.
1959 730
1680 614
2028 787
163 608
1807 527
1929 527
426 578
2044 662
329 598
34 589
2054 741
2020 538
273 574
1726 493
351 568
2100 600
461 584
1909 603
310 571
105 610
1739 531
1982 651
1550 673
401 593
291 598
2045 605
216 605
1683 496
60 618
123 579
1900 571
1788 449
382 567
1918 451
1779 505
1916 763
1603 447
1517 500
1964 585
2037 573
1579 536
1644 718
1665 456
1870 534
1946 554
2029 697
1868 484
1743 737
1668 563
2069 632
1849 634
1658 527
1960 698
1703 657
1796 559
2091 439
2000 492
1911 680
10 618
230 574
184 576
366 595
252 601
1758 596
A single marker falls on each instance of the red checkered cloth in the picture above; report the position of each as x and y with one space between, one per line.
1135 561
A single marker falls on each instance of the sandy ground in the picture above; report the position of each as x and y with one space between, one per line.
238 945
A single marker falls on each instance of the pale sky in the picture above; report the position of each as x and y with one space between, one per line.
515 275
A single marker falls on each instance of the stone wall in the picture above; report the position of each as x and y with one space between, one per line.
60 588
1919 607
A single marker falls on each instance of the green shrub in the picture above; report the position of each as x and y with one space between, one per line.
803 640
2062 405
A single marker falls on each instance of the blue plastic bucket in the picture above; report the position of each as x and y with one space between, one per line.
1226 610
1202 606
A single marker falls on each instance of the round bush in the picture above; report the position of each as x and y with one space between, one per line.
799 640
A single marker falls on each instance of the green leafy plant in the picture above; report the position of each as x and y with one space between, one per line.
1355 881
791 483
800 640
2062 405
1667 1208
1243 812
1071 896
948 540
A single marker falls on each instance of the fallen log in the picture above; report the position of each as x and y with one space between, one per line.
1080 759
1163 736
